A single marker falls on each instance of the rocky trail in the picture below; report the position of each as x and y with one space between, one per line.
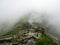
26 36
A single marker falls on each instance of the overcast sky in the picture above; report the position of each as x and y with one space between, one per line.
11 10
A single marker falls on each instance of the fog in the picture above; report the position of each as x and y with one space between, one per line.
12 10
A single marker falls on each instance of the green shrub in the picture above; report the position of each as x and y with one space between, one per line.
45 40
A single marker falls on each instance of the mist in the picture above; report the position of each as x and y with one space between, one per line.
12 10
